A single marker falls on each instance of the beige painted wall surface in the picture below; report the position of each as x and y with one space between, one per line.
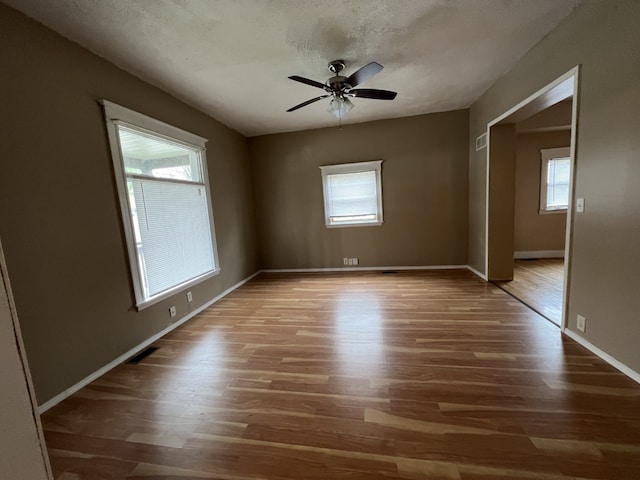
604 38
502 189
59 212
532 231
424 183
555 117
22 450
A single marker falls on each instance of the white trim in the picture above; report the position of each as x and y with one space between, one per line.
478 273
351 167
557 211
116 115
358 224
528 254
486 201
632 374
572 179
345 168
362 269
575 73
178 288
141 346
131 117
7 304
561 79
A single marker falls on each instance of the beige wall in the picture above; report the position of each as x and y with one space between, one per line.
502 187
532 231
59 213
424 183
557 116
604 39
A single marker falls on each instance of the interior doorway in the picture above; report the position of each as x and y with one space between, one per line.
530 171
538 282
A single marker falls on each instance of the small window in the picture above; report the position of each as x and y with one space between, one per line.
165 202
554 179
352 194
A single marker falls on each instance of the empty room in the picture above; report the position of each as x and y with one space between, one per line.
286 239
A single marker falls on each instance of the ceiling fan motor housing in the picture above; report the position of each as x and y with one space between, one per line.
336 66
338 84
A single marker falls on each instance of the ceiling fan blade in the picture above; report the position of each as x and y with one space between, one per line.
304 104
364 74
307 81
373 93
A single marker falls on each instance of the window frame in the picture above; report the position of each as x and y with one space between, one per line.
118 115
358 167
545 156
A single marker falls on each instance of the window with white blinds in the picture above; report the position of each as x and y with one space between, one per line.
352 194
165 200
555 177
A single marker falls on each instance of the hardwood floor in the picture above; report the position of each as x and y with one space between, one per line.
415 375
539 284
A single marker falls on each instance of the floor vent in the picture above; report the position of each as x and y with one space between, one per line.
142 355
388 272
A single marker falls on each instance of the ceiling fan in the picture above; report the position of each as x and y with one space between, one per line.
340 88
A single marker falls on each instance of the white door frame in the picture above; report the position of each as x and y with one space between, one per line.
24 452
569 79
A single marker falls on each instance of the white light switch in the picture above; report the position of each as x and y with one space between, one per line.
579 205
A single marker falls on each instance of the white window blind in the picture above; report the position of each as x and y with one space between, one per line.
557 183
165 201
352 194
174 244
555 178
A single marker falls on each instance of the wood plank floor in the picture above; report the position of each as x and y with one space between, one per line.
415 375
539 284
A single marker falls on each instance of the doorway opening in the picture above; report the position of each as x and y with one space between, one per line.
530 175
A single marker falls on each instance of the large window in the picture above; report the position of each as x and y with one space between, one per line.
352 194
164 195
554 179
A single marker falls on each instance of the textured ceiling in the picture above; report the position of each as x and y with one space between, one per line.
231 59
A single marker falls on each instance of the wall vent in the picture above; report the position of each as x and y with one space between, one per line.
481 142
142 355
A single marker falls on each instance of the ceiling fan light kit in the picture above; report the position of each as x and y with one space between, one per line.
340 88
339 106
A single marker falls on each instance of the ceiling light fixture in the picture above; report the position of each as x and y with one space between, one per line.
339 106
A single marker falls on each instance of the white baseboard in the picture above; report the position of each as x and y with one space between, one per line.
477 272
138 348
529 254
632 374
361 269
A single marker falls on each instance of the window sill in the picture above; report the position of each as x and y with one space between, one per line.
552 212
363 224
168 293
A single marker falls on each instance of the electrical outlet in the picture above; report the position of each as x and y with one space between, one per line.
581 323
579 205
189 297
345 261
354 261
172 311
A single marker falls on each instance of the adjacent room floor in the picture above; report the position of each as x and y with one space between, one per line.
539 284
414 375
